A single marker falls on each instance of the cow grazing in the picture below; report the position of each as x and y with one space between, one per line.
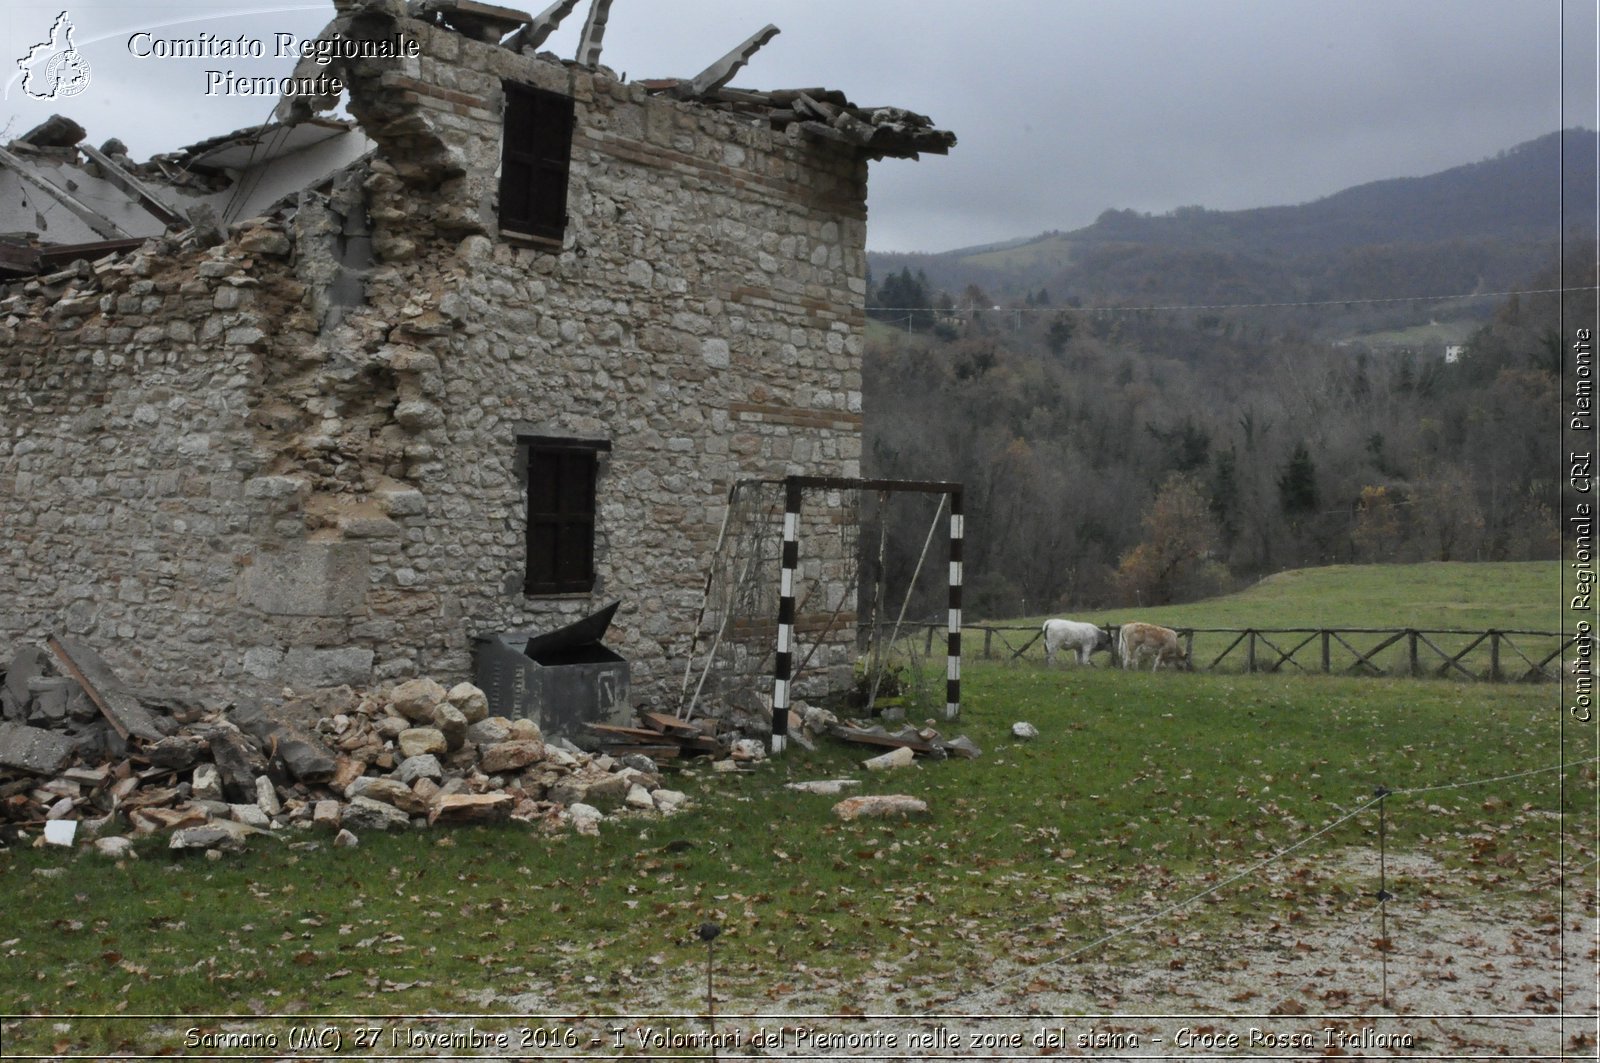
1074 635
1136 641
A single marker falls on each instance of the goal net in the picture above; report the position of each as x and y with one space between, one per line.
809 576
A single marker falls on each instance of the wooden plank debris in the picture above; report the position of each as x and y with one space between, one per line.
926 742
660 736
877 736
666 724
127 716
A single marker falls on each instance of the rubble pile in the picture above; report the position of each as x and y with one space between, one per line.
78 747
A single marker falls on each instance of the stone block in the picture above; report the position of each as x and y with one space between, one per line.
425 766
365 813
326 815
306 669
390 792
415 699
418 741
471 807
309 579
511 755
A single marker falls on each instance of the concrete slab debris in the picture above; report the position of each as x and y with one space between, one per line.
33 750
116 701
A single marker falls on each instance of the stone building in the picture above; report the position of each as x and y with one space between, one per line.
328 399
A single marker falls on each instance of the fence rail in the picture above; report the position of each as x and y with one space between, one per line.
1494 655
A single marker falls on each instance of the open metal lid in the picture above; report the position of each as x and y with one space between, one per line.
590 629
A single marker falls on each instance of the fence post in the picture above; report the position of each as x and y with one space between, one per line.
988 642
1250 652
1494 656
1383 894
1411 649
1327 667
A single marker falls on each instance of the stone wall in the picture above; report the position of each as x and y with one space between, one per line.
281 461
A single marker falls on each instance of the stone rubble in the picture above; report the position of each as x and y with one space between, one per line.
339 762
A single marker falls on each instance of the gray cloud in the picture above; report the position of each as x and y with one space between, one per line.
1063 108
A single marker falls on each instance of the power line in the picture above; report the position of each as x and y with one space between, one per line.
1226 306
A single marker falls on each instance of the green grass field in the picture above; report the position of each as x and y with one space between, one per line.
1142 790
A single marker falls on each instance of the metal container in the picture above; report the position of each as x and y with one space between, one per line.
560 679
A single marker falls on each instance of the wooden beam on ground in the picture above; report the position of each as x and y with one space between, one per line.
115 701
879 737
670 724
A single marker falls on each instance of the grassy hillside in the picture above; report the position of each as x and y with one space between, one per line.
1468 596
1432 597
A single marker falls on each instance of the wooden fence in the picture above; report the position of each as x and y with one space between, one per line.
1490 656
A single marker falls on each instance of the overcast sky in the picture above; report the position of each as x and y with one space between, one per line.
1062 108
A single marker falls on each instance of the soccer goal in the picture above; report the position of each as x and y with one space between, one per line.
802 584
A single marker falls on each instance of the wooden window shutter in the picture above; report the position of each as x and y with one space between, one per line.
561 516
534 161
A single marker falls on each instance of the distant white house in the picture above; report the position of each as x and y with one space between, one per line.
1453 352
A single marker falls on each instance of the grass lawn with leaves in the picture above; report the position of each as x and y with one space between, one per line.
1142 790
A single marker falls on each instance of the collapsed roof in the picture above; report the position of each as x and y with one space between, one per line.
62 201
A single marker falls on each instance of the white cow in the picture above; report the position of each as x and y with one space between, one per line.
1135 641
1074 635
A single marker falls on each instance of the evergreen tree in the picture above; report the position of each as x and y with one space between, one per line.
1297 486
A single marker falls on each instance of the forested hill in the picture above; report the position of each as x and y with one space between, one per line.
1151 410
1480 227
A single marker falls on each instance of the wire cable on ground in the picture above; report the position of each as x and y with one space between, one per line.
1176 905
1256 867
1497 778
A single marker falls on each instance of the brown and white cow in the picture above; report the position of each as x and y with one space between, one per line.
1136 641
